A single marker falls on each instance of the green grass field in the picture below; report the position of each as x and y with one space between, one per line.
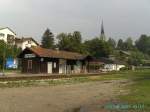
139 90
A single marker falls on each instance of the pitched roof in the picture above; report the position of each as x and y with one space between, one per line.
42 52
23 39
7 28
112 61
104 60
125 52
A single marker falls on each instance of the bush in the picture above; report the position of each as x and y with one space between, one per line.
124 68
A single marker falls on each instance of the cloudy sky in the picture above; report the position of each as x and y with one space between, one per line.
122 18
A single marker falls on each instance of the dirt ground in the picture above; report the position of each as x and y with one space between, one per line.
83 97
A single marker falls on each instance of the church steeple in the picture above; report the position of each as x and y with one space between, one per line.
102 29
102 36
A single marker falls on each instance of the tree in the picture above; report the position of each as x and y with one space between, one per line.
7 51
136 58
128 44
97 48
64 42
76 41
112 42
120 44
143 44
70 42
77 37
48 39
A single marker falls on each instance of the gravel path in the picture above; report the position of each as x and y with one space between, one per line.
62 98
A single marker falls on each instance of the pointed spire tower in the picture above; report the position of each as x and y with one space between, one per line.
102 36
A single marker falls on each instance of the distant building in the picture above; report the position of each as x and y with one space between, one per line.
106 64
10 37
25 42
7 35
113 65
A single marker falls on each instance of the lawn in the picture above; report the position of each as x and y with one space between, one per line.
139 90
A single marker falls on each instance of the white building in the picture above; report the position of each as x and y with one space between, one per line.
112 64
25 42
113 67
7 35
10 37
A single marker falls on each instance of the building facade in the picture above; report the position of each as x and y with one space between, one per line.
25 42
10 37
7 35
37 60
113 67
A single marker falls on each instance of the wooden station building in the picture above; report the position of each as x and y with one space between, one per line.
38 60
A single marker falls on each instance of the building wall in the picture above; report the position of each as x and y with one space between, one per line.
62 66
40 65
35 69
27 44
59 66
119 67
6 32
113 67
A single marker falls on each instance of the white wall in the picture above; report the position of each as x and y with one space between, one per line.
119 67
26 44
113 67
6 32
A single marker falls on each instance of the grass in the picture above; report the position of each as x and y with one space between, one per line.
139 90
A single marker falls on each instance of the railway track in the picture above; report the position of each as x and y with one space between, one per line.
40 77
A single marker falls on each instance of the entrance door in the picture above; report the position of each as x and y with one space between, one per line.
62 66
49 67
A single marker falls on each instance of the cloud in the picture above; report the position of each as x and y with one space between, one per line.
122 18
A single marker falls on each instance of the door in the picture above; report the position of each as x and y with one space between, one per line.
62 66
49 67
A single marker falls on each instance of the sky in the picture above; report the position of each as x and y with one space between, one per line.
122 18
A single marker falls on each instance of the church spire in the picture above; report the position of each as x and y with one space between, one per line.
102 36
102 29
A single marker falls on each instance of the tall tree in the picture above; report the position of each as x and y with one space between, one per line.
70 42
112 42
97 48
64 42
128 45
77 37
120 44
48 39
143 44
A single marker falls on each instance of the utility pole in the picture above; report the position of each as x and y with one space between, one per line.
4 56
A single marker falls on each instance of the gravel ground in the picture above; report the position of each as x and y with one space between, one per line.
83 97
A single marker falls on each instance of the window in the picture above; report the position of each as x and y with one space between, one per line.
10 39
29 42
2 35
72 67
29 64
54 64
